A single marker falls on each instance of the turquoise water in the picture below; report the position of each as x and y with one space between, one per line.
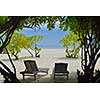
51 46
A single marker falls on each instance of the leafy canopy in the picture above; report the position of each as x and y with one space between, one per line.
36 39
70 40
18 42
72 45
3 19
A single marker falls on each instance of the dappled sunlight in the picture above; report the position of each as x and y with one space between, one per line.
47 60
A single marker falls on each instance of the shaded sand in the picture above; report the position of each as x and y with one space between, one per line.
48 57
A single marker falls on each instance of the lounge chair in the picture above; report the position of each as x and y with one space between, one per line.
61 70
32 69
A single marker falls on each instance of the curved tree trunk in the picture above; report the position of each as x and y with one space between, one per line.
90 54
8 75
6 31
29 52
16 57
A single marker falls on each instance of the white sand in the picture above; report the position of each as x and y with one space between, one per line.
47 59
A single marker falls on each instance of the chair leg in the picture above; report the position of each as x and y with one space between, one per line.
67 75
54 76
23 76
34 76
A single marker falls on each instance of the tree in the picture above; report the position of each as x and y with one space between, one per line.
88 29
8 24
7 27
72 45
20 41
36 49
17 42
33 42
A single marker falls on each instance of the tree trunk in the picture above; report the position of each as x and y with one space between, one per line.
16 57
89 59
90 54
6 31
29 52
8 75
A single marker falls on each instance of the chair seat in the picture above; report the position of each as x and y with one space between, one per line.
61 69
62 73
32 69
43 69
26 72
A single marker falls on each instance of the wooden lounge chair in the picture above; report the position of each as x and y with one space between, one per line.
61 70
32 69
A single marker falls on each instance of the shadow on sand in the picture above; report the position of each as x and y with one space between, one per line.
49 79
64 58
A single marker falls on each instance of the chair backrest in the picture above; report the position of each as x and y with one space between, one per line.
31 66
61 67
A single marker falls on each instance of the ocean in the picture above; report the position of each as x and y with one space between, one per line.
51 46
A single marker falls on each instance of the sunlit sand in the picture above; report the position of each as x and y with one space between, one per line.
48 58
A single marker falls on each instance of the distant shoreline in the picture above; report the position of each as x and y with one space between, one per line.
52 48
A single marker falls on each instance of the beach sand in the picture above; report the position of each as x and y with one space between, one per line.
48 58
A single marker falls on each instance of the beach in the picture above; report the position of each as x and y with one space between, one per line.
48 58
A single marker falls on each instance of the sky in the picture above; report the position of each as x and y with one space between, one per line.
50 37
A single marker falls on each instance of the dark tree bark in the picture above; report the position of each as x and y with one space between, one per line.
90 51
16 57
6 31
8 75
29 52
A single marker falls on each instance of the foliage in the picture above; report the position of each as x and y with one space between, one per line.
17 42
88 30
3 19
36 38
12 23
20 41
72 45
37 21
33 40
36 49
